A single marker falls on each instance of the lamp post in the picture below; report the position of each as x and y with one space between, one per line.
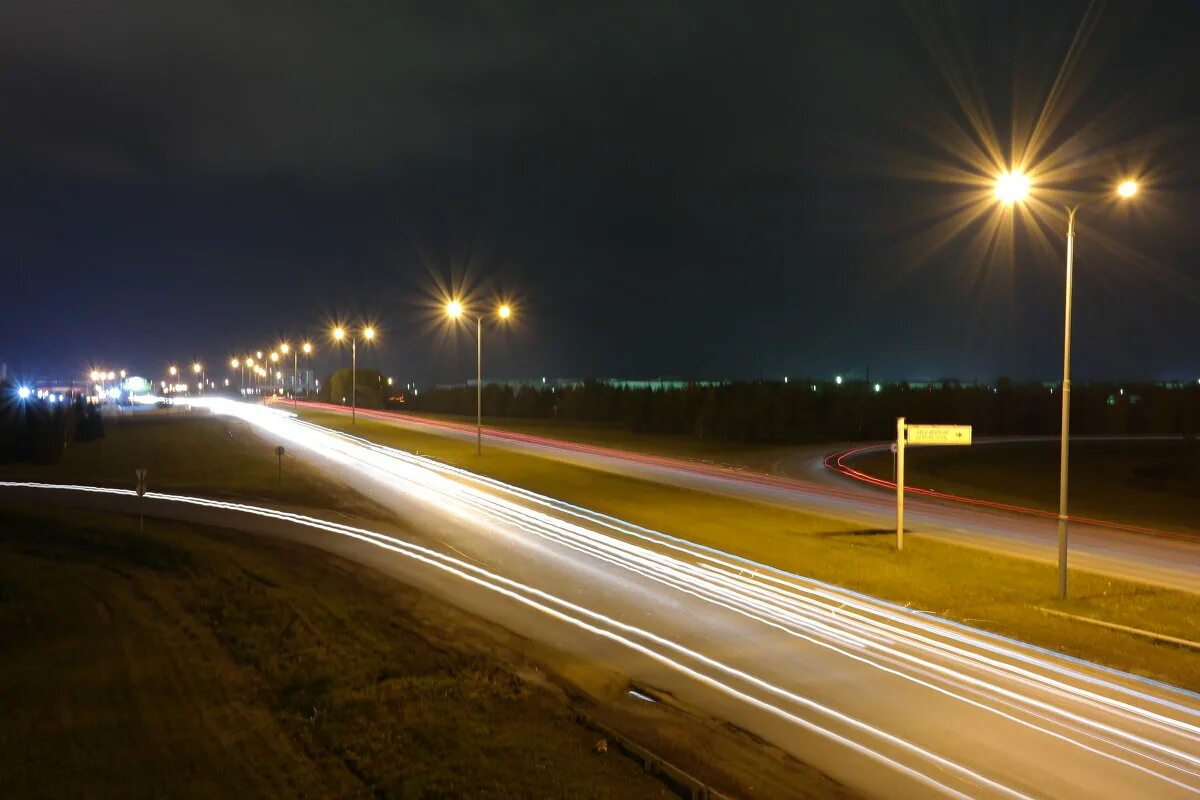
340 334
307 348
1013 187
198 369
172 370
455 310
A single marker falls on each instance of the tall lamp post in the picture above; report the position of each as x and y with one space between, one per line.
340 334
198 369
307 348
275 368
455 310
1013 187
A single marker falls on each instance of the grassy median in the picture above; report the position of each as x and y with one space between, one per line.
191 662
196 453
1147 482
995 592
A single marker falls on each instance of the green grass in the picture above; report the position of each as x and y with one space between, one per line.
1149 483
990 591
618 436
190 662
198 454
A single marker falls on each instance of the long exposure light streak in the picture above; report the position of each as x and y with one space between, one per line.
1129 723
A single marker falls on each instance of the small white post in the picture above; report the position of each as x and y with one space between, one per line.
900 430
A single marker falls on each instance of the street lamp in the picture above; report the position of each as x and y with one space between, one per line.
455 310
367 334
308 349
198 369
1013 187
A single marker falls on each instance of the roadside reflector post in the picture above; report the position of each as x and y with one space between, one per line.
279 453
900 431
141 493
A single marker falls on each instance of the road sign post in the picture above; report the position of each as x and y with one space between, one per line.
141 493
279 455
920 436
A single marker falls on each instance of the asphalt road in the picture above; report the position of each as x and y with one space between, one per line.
806 484
889 701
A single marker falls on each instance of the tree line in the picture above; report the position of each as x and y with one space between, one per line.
764 411
33 429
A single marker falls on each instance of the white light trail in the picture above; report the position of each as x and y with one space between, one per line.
1131 723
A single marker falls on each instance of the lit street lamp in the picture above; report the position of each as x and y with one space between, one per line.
455 310
368 335
198 369
307 348
1014 187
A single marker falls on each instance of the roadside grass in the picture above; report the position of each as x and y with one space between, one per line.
194 453
618 436
986 590
1150 483
192 662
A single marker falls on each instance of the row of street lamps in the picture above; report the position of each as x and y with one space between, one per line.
1011 188
454 310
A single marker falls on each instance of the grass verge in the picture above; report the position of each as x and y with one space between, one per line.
989 591
1150 483
191 662
189 452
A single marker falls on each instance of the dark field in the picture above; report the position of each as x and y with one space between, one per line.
190 662
1150 483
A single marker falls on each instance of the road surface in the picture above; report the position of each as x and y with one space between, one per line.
808 485
889 701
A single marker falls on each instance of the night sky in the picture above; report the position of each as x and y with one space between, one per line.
700 190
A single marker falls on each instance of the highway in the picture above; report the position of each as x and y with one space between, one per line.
889 701
809 485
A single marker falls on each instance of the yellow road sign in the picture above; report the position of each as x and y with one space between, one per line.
938 434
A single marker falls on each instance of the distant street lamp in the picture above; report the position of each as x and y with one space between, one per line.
1014 187
307 348
455 310
341 334
198 369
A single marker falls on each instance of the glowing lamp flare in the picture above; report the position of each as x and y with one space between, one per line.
454 309
1012 187
504 312
1127 189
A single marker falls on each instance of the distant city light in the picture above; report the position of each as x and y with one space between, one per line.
838 380
785 378
878 388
